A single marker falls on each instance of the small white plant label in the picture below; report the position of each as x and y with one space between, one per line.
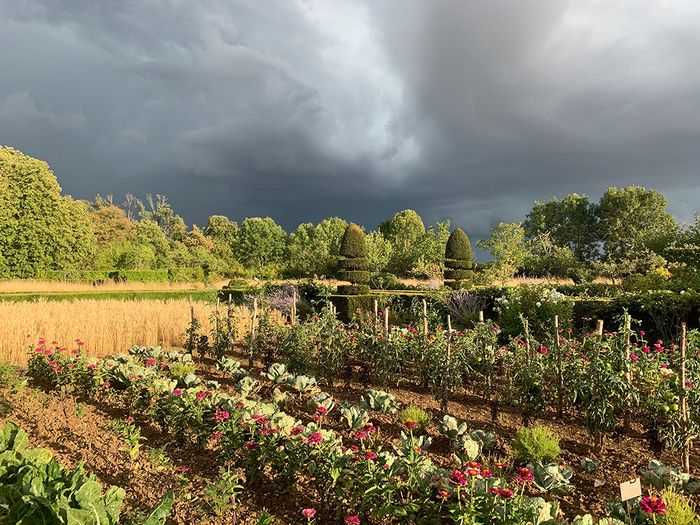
630 489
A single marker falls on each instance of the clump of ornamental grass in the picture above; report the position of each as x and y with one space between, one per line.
679 509
537 443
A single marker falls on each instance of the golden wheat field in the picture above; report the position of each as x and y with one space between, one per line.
105 326
37 285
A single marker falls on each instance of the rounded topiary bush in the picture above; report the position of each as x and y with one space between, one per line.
459 247
354 265
459 260
353 244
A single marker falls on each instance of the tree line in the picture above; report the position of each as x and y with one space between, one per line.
628 231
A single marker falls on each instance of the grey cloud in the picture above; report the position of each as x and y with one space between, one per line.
300 110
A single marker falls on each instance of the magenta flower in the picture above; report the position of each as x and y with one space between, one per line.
308 513
458 477
176 393
314 438
634 357
652 505
321 411
352 520
220 415
251 445
543 350
524 475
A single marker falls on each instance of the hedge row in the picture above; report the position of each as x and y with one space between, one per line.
136 276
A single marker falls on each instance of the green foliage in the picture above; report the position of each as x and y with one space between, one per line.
550 477
353 244
569 223
260 241
458 246
415 414
507 247
632 219
679 509
538 443
39 228
36 489
405 231
314 250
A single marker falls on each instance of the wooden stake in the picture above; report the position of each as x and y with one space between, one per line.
293 318
253 323
376 309
386 322
526 326
600 327
560 368
481 316
628 369
684 399
425 318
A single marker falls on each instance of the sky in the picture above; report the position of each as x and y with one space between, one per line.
305 109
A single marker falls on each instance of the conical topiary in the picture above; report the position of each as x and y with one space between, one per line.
353 264
459 260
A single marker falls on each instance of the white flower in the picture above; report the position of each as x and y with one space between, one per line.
538 304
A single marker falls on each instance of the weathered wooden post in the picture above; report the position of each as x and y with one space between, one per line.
253 323
293 315
425 319
684 399
560 369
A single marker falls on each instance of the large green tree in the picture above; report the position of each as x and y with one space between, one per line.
260 241
405 231
508 249
633 220
569 223
39 228
314 250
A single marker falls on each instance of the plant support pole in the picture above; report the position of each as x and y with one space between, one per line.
253 322
684 400
560 369
425 319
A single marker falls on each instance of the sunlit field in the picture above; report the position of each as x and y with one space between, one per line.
105 326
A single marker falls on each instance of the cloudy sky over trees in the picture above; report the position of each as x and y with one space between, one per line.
306 109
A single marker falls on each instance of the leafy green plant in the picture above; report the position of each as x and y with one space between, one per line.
451 427
466 449
538 443
487 440
304 384
35 489
355 417
415 414
221 495
551 477
380 401
277 373
131 435
662 477
231 367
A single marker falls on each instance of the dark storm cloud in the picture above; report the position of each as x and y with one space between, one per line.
301 110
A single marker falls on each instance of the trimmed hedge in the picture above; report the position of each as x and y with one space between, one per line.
353 289
459 260
458 275
354 262
358 263
459 247
353 244
354 276
133 276
459 264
